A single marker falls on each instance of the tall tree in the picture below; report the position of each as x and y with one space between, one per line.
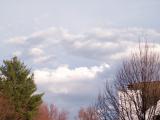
17 83
135 93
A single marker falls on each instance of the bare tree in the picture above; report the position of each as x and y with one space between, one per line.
88 113
50 113
135 93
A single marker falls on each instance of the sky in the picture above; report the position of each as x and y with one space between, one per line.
74 46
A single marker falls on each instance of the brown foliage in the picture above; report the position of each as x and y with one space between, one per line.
87 114
7 111
50 113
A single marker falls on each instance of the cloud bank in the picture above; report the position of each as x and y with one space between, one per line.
99 43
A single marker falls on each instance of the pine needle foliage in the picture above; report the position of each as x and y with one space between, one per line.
17 83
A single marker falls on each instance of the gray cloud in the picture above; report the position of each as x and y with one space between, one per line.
102 44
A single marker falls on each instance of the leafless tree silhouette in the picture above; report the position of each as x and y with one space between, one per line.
88 113
135 93
50 113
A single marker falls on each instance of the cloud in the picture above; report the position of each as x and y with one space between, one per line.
53 47
65 74
17 40
36 52
68 86
103 44
39 56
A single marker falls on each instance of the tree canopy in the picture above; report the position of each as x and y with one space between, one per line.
17 84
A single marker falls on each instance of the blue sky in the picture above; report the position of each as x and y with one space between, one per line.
74 46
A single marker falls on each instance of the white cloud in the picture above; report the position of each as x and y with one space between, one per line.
39 56
82 81
36 52
65 74
42 59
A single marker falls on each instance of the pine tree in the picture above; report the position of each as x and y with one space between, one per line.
17 83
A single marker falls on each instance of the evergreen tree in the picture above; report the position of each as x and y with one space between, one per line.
17 83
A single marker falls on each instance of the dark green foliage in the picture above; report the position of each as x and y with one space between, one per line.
16 82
